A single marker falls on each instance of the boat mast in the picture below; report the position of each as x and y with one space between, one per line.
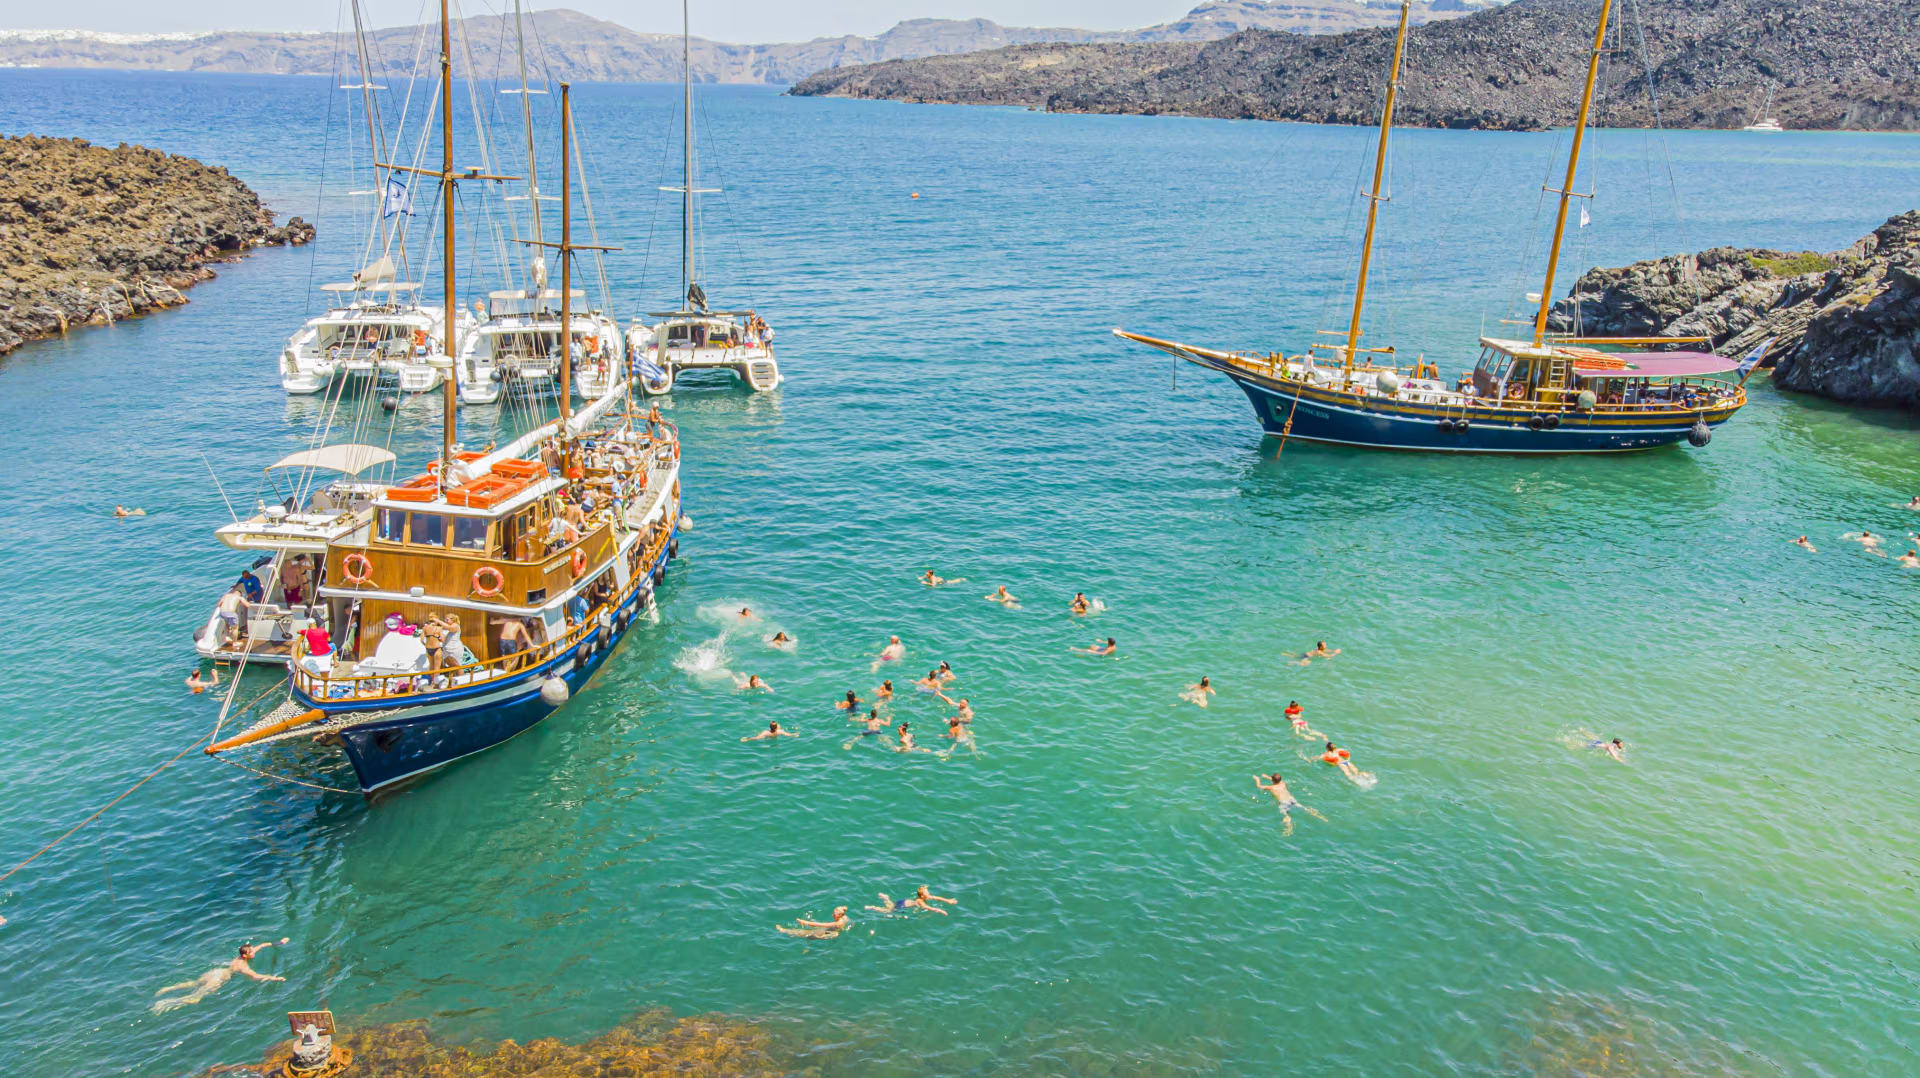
1373 198
686 175
566 256
526 116
373 132
1573 165
449 306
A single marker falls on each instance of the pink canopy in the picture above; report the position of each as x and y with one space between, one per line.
1652 365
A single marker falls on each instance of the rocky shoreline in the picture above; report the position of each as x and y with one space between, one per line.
90 235
1845 325
1841 64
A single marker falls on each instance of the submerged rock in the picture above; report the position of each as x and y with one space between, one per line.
1845 325
90 235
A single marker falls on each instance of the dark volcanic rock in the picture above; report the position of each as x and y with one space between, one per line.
1844 325
1835 64
89 234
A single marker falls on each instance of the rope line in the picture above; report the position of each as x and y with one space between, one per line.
102 810
285 778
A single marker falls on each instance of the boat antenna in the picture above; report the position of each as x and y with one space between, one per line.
526 117
686 175
1373 198
1566 191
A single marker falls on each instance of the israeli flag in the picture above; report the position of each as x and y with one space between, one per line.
1753 358
398 199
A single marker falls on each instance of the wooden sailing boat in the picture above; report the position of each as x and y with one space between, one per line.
1548 393
696 337
475 598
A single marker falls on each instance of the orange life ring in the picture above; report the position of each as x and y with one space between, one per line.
579 563
488 591
356 569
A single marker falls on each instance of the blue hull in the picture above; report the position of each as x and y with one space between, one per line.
1417 428
437 728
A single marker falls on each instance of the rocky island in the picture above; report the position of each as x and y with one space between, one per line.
90 234
1845 325
1836 64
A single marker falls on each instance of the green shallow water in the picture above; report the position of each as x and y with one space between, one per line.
1739 898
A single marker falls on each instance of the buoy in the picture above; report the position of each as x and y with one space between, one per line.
686 523
1587 400
1388 381
1700 435
390 403
916 194
495 375
554 692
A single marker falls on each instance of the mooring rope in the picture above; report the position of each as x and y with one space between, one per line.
102 810
284 778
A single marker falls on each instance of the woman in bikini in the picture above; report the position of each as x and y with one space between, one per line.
922 899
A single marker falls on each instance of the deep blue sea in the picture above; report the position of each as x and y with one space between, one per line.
1738 897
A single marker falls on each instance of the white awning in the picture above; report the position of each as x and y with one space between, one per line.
348 458
390 287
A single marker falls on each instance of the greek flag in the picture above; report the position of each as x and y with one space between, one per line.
1753 358
650 372
398 199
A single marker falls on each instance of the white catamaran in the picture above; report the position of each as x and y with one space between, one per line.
696 337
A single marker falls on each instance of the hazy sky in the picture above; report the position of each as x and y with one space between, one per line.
726 20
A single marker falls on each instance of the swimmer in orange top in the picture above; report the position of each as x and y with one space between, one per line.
1297 717
1337 757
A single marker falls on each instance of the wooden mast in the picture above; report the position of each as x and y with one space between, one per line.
1373 198
566 257
449 308
686 174
1573 165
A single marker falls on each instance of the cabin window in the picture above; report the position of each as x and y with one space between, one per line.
427 529
392 521
536 596
470 533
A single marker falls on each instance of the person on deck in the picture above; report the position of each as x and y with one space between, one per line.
229 608
294 580
250 585
319 657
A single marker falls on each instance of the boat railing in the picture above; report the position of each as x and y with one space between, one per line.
335 685
1708 394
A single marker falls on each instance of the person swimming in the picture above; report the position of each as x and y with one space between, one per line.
891 653
1804 545
1867 540
746 614
945 673
885 691
1297 716
122 512
1002 596
780 640
772 731
851 703
873 725
1910 560
906 738
1282 797
1914 503
818 930
1613 748
1320 651
922 899
752 682
1198 694
1079 606
214 979
197 684
931 580
1338 757
963 706
930 683
1098 648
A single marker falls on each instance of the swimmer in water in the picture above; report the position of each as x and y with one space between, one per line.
747 614
1079 606
1338 757
772 731
931 682
818 930
1320 651
1867 540
1002 596
922 899
1914 504
1282 797
851 703
1910 560
963 705
1198 693
1804 545
906 739
1613 748
211 981
874 727
752 682
123 512
1297 716
945 674
885 691
891 653
780 640
197 684
1099 648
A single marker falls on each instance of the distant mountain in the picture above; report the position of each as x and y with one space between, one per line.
1833 64
583 48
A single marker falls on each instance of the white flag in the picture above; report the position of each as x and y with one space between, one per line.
398 198
1585 218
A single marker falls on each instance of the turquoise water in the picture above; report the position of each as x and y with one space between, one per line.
1738 898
